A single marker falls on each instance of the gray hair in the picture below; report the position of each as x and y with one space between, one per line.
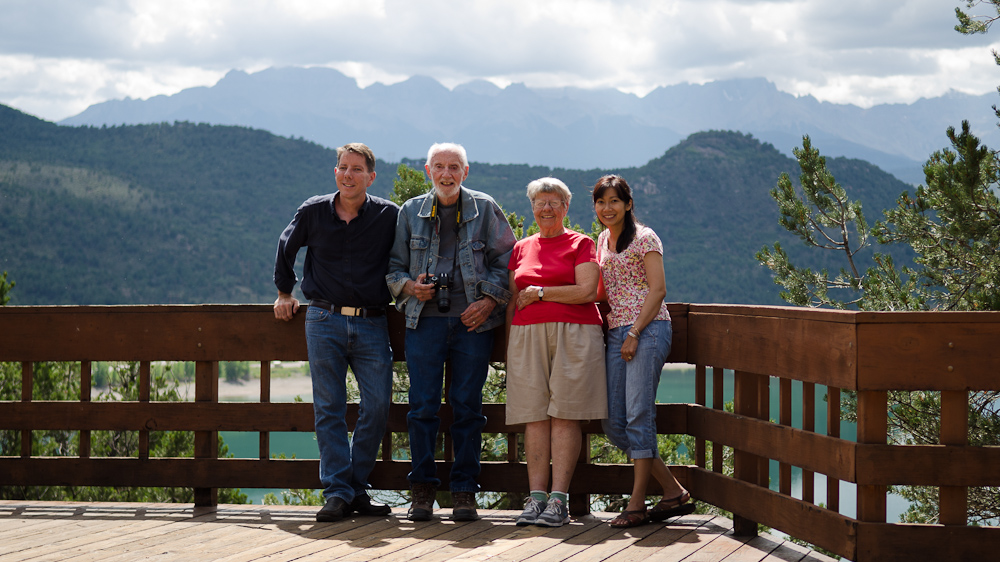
454 148
549 185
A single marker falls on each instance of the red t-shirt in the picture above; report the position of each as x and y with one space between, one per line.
551 262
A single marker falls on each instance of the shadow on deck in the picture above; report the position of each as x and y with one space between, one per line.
38 531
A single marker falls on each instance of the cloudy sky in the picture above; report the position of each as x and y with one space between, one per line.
57 57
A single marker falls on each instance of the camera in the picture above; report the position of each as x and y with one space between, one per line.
442 283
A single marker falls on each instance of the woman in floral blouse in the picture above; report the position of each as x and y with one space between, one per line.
639 333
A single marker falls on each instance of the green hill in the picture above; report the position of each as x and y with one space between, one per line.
185 213
708 199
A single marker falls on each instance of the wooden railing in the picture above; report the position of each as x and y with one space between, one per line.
868 353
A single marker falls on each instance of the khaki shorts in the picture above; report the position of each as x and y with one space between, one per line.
556 369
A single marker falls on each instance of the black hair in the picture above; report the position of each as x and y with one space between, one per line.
624 192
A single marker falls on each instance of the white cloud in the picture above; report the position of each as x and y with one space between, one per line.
60 56
56 88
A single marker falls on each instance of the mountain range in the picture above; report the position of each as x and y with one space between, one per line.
191 213
556 127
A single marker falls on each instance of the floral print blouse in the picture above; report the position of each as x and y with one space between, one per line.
624 276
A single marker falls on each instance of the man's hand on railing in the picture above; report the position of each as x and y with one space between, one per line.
285 306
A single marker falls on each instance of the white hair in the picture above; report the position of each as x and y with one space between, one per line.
451 147
549 185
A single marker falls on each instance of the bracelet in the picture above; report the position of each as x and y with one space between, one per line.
633 334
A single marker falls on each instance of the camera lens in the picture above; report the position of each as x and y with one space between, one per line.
444 299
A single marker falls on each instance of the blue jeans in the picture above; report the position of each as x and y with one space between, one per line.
336 342
433 341
631 423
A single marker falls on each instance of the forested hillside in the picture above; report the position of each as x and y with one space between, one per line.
185 213
708 199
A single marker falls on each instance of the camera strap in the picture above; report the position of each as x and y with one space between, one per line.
437 229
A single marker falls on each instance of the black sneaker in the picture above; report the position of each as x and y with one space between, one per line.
422 501
363 505
334 510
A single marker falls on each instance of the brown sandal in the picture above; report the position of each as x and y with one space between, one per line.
628 518
672 507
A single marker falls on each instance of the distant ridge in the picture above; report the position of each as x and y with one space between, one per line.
557 127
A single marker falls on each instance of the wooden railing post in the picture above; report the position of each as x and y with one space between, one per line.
27 384
785 418
833 430
86 371
264 441
954 500
808 424
873 424
700 399
718 403
746 465
763 413
579 503
144 390
206 443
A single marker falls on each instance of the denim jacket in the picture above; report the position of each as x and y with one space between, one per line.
485 241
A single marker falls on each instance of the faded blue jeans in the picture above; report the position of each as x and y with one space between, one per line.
631 423
433 341
336 342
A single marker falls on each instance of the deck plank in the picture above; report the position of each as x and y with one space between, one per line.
722 546
548 539
388 546
760 548
121 532
168 533
698 544
300 535
676 530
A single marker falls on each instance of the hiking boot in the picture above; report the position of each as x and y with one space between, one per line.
464 506
555 514
532 509
362 504
422 501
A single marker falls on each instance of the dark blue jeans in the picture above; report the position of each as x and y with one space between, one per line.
336 342
427 347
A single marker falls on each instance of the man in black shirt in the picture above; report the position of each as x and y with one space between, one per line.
348 236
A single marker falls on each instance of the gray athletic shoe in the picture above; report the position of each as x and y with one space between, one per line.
532 508
554 515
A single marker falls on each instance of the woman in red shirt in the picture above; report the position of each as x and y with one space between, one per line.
555 350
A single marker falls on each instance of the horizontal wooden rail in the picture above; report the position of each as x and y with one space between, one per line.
805 449
928 465
496 476
246 416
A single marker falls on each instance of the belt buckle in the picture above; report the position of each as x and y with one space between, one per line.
351 311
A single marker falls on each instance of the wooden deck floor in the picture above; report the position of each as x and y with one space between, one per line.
107 532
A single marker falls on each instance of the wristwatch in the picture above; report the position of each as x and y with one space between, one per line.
541 293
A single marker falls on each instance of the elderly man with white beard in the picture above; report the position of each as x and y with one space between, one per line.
448 273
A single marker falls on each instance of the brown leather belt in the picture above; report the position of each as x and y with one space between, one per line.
369 312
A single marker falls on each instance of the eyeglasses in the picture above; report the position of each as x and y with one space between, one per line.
539 205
